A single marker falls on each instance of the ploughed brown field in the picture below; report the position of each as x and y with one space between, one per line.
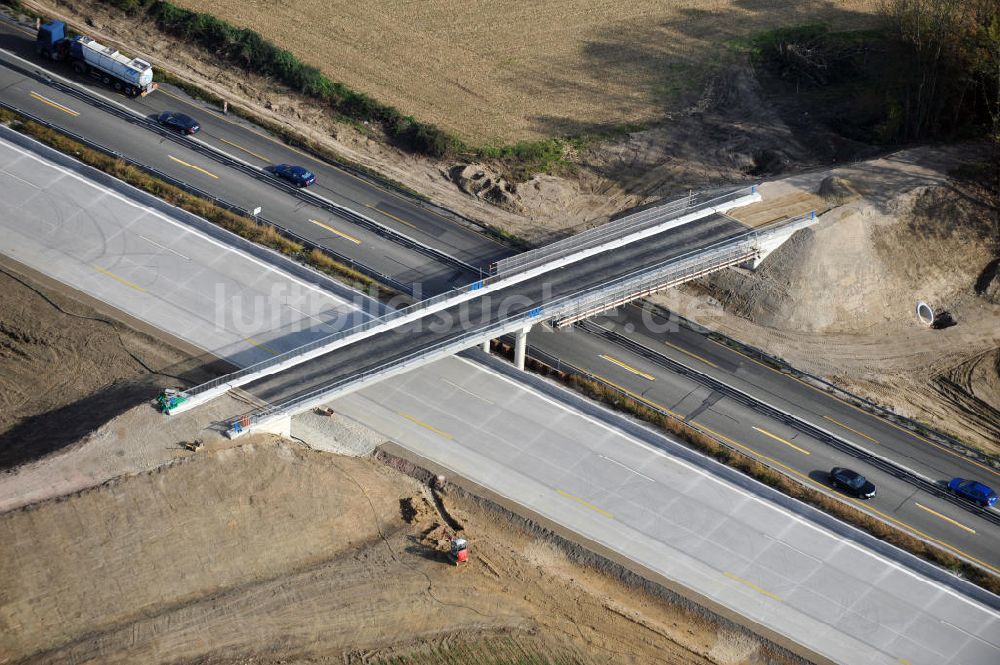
501 71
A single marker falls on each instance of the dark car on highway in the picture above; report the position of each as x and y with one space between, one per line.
973 491
296 175
180 122
852 482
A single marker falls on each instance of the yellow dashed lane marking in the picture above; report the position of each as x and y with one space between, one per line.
120 279
850 429
192 166
246 150
693 355
261 345
639 398
586 503
430 427
55 105
629 368
339 233
784 441
390 216
944 517
752 586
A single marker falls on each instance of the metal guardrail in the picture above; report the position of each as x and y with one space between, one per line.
611 231
222 203
690 268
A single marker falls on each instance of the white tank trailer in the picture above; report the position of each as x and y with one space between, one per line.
132 76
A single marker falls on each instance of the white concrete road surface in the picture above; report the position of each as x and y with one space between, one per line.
769 565
762 561
156 268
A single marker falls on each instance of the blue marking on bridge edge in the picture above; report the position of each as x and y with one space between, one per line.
476 285
534 312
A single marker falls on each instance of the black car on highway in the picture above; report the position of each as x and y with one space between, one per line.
297 175
852 482
180 122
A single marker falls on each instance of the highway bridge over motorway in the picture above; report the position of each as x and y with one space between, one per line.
560 283
404 241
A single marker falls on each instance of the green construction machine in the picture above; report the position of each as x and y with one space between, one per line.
170 399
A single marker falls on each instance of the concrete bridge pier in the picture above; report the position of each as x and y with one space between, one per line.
520 346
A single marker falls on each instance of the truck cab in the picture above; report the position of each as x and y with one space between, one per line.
51 41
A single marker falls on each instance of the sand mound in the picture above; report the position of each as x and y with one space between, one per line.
837 190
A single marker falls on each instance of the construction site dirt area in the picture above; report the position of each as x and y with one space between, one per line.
270 552
839 299
68 364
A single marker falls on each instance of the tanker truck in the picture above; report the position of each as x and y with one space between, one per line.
132 76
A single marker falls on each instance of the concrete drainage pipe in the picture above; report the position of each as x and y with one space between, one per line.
925 314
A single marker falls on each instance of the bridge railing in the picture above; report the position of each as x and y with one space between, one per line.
613 230
671 272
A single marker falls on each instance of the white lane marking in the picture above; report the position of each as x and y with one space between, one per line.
747 494
614 461
183 227
153 242
468 392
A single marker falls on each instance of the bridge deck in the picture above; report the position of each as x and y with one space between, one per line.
455 322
